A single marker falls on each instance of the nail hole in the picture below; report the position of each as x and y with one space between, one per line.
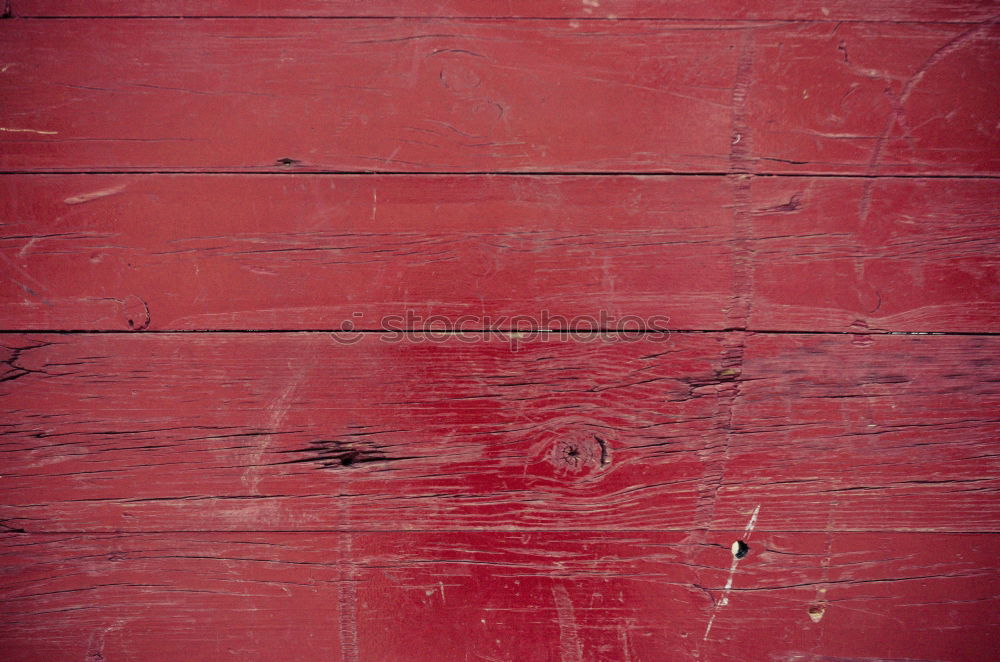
740 549
347 459
816 614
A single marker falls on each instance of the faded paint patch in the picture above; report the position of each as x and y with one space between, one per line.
570 648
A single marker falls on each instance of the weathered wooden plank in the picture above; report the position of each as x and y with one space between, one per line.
860 98
308 252
841 596
869 432
264 431
170 597
875 254
531 96
314 252
500 596
877 10
139 432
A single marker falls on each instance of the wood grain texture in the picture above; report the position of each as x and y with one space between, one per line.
883 254
567 596
841 10
807 191
464 95
308 252
869 432
292 431
183 252
149 432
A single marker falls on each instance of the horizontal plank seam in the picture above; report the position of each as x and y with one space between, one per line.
778 332
99 532
492 173
459 17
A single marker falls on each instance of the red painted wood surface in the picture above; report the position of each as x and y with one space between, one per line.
297 431
308 252
192 466
498 596
462 95
889 254
962 11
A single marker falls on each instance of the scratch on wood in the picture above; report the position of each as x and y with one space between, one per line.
87 197
897 115
27 246
278 409
347 594
732 572
27 276
623 637
740 149
6 129
569 636
95 649
741 167
818 608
